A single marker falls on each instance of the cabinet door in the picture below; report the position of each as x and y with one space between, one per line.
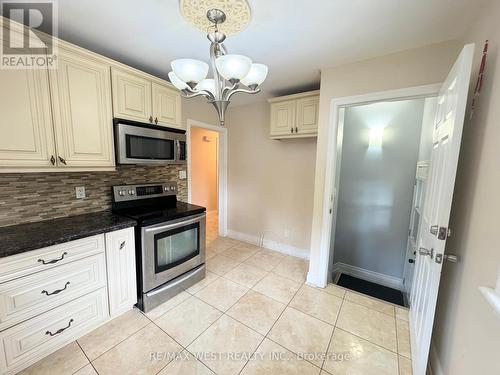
307 115
166 105
283 118
26 133
120 257
81 102
131 96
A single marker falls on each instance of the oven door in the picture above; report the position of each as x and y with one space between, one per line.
142 145
171 249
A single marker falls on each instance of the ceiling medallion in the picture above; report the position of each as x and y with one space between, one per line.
237 12
229 71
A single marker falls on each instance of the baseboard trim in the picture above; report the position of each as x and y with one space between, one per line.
434 366
375 277
269 244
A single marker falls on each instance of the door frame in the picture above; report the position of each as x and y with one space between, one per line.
334 144
222 168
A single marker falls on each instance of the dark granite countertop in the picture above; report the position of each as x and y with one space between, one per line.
16 239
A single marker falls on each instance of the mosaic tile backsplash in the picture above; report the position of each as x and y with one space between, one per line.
28 197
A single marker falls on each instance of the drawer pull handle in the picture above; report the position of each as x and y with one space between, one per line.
57 291
122 245
53 260
60 330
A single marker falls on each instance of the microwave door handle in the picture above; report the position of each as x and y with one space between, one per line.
178 150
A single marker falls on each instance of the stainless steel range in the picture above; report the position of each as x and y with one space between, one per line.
170 240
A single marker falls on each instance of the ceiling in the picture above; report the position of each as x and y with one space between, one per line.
295 38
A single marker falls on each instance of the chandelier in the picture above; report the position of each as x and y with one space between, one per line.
230 71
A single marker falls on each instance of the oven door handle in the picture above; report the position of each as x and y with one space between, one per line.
174 225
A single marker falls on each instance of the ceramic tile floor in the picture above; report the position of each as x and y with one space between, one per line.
252 314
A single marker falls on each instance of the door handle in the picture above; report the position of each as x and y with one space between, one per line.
291 130
151 119
62 160
52 160
411 261
156 120
450 258
296 130
434 229
426 252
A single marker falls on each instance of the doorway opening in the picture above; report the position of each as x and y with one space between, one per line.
379 194
437 193
207 174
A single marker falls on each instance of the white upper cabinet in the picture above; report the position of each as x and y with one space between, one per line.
295 116
26 133
307 115
166 105
283 117
61 119
131 96
81 103
139 97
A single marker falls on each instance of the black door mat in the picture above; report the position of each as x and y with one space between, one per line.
371 289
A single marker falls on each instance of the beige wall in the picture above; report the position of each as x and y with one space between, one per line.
198 109
414 67
270 182
204 167
467 332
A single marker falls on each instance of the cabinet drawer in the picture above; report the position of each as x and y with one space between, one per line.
34 339
28 296
49 257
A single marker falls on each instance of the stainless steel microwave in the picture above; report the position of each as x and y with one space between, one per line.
143 144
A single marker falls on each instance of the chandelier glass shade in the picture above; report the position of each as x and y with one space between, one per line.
232 73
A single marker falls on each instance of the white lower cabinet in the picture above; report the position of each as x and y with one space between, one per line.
36 338
52 296
120 256
23 298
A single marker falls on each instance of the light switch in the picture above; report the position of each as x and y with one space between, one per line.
182 175
80 192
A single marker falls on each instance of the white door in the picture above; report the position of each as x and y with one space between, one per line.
120 256
283 118
166 105
131 96
433 232
83 116
307 115
26 133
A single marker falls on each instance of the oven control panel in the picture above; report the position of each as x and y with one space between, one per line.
123 193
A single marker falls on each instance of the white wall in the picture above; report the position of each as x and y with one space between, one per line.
270 182
414 67
376 185
466 330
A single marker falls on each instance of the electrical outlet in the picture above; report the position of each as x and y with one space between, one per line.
182 175
80 192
